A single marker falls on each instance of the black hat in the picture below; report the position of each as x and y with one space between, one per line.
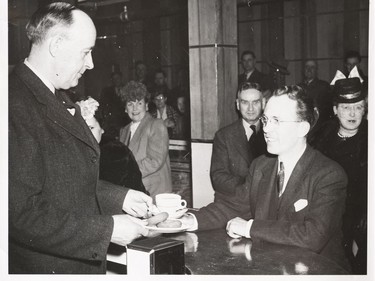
348 90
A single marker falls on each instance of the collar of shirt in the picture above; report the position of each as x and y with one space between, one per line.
249 73
40 76
289 164
133 128
248 130
163 115
308 82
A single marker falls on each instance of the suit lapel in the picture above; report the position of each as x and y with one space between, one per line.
138 133
265 189
55 110
240 140
294 186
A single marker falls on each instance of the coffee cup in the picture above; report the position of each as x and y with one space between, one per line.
169 202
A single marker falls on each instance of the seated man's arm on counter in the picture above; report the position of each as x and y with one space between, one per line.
218 213
224 179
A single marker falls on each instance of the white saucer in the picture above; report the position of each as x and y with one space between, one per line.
168 229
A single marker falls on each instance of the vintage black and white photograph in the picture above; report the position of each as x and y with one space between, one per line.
213 138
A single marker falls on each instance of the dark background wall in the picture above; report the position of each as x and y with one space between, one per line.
292 31
289 31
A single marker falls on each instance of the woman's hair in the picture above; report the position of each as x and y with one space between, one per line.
134 91
305 104
47 18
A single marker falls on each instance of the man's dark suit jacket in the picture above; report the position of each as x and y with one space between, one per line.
257 77
315 178
56 224
231 157
320 92
112 112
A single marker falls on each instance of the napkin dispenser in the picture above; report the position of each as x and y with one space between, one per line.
158 255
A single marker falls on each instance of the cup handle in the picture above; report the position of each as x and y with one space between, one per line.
183 203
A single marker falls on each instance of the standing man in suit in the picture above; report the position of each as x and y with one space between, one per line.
318 90
238 144
61 218
112 109
295 197
251 74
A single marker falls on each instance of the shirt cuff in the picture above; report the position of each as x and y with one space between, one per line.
248 227
195 223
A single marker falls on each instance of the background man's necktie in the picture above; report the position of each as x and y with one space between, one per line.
252 140
280 179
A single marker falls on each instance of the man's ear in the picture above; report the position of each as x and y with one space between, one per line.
304 128
147 106
335 109
55 45
238 104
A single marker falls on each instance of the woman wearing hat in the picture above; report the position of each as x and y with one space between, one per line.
344 139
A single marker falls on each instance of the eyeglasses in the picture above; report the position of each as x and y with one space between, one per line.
265 120
159 98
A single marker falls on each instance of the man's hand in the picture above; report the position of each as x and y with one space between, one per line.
189 221
126 229
236 227
137 203
169 123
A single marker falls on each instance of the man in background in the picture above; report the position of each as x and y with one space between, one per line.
352 59
318 90
251 74
61 218
112 110
238 144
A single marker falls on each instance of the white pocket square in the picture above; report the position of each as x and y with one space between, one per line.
300 204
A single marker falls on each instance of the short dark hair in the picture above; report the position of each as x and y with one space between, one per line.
248 85
138 62
113 74
244 53
305 104
48 17
352 54
134 91
161 90
160 71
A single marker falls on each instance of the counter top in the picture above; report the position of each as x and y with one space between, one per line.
214 252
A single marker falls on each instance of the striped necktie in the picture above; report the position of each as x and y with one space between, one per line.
280 179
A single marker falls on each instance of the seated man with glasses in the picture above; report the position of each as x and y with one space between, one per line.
295 196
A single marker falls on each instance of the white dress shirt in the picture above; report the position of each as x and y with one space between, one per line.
248 130
164 115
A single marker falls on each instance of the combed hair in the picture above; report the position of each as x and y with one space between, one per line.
134 91
48 17
247 52
247 86
305 104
